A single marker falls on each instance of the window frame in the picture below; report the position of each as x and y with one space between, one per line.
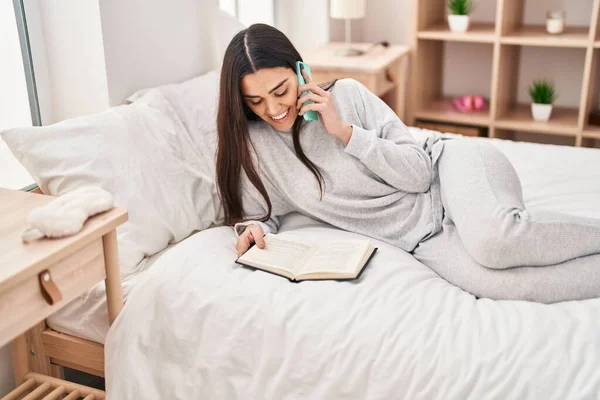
24 43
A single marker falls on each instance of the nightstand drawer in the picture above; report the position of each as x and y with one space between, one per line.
379 82
23 304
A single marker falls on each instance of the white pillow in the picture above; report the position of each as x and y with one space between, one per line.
193 102
142 153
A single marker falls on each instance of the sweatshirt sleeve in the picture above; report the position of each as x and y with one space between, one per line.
385 146
270 226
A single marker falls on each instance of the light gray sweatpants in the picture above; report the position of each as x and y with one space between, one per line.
490 240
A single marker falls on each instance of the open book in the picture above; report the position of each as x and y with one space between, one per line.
298 260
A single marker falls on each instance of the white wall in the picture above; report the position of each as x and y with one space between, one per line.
89 55
460 76
387 20
14 101
305 23
384 20
68 57
256 11
143 42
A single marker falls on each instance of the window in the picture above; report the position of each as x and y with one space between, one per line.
250 11
15 109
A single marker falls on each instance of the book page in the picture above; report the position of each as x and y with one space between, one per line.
336 257
279 254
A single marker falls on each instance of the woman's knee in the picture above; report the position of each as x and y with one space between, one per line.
491 249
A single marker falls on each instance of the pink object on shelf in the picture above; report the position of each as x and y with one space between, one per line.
469 103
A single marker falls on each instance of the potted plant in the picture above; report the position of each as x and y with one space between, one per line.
543 95
458 18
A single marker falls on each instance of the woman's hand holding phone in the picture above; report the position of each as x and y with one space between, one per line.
323 104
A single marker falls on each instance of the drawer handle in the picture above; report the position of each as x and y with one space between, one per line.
389 75
49 289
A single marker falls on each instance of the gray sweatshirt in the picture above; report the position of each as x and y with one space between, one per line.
382 184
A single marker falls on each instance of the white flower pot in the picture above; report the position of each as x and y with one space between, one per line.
541 112
458 23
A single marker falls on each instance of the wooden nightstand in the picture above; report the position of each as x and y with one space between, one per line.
382 70
38 278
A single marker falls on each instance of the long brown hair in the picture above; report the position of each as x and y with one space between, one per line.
259 46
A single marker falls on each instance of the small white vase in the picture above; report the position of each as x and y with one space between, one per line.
458 23
555 22
541 112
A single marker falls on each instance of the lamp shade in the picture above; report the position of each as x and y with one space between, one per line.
347 9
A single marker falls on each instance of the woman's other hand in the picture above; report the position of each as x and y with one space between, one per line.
323 104
252 234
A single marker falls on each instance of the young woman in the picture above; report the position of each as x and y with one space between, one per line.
360 169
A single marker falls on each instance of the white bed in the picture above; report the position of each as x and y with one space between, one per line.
197 325
555 178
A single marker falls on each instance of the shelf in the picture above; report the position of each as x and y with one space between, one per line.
563 121
533 35
505 49
592 132
442 110
477 33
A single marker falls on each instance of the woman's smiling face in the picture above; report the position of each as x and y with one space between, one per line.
272 93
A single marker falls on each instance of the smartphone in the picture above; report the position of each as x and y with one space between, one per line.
300 66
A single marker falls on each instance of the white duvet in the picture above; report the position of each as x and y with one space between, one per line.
199 326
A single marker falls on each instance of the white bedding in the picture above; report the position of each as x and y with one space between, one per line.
556 178
199 326
87 316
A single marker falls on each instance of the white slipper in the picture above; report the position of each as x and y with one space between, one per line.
65 215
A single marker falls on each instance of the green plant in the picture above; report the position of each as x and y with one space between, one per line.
460 7
542 91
